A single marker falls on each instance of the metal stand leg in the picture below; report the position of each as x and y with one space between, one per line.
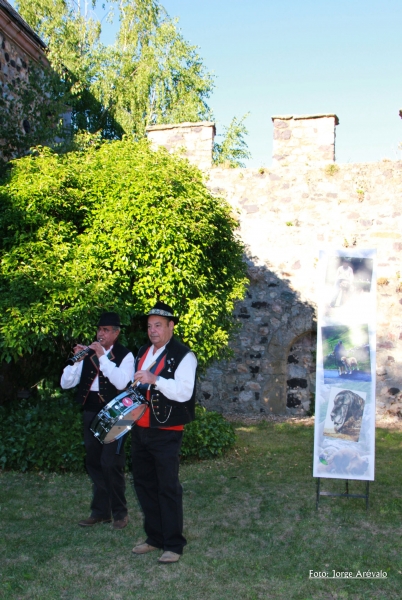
318 493
346 494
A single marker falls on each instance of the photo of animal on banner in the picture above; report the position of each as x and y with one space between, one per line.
344 444
346 353
344 414
348 284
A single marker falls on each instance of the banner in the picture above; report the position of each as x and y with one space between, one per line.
344 434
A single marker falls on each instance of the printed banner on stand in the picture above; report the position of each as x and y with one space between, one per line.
344 434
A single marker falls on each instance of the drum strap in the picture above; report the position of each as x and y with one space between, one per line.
144 388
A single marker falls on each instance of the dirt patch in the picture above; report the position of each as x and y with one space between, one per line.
389 422
383 421
253 420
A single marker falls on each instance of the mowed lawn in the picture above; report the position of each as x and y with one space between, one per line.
250 519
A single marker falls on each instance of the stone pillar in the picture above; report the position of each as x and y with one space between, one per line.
195 138
304 139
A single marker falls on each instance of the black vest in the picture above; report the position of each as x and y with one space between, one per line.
90 369
164 412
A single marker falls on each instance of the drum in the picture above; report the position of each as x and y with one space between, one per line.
118 416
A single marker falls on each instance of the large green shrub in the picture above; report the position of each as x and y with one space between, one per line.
208 436
113 227
46 434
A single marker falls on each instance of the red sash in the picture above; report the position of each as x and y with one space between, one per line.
144 421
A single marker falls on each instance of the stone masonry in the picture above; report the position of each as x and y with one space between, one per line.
286 214
302 139
19 45
195 140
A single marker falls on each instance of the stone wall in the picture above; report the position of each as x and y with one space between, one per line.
195 140
286 215
304 139
303 203
19 45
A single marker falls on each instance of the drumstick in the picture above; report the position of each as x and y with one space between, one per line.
148 369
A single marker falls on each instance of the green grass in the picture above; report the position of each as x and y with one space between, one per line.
250 520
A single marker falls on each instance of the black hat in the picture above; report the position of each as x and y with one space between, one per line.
111 319
163 310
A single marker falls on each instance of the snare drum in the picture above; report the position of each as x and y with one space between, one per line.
118 417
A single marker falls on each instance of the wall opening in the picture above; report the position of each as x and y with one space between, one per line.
300 373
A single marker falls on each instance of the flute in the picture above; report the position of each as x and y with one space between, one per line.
74 359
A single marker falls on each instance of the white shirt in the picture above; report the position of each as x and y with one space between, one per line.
345 274
118 376
181 387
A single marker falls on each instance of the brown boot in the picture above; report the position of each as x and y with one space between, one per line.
144 548
93 521
169 557
121 523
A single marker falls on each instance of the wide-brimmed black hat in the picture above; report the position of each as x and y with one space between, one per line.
110 319
163 310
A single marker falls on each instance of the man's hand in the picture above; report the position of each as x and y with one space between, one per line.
98 348
79 348
145 377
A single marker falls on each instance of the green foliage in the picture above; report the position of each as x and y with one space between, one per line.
150 75
331 170
43 434
208 436
113 227
233 149
46 434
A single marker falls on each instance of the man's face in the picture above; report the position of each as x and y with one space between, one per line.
160 330
107 336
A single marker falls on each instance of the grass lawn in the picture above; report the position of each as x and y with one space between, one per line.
250 521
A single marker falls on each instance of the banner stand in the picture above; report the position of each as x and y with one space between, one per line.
344 495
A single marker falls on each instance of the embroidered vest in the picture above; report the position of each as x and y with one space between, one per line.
90 369
164 412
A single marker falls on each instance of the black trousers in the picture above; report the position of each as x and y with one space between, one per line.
155 454
106 469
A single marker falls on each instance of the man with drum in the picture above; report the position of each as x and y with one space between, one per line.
165 372
102 369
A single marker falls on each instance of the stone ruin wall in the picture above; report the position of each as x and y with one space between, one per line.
13 69
19 46
287 213
300 139
193 140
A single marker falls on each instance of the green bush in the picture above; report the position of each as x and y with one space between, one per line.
115 227
45 434
42 433
208 436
